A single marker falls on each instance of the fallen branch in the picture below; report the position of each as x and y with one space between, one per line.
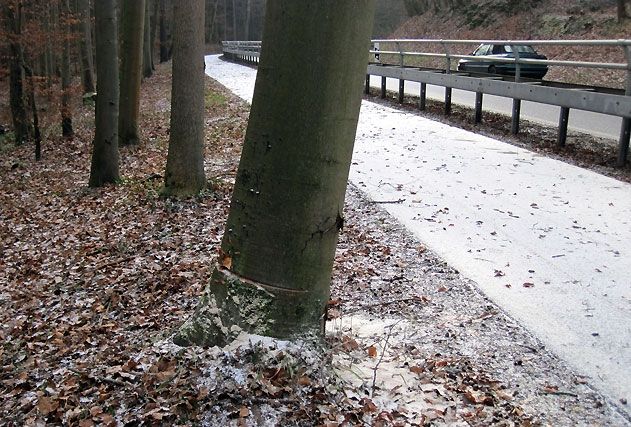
376 202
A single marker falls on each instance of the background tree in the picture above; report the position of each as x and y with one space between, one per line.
277 252
66 109
622 10
147 49
12 13
184 173
104 167
132 36
165 18
85 45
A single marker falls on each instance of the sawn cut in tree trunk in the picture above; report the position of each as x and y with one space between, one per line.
274 271
184 175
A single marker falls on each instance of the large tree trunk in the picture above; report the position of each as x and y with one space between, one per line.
85 46
274 271
184 174
147 49
132 35
66 110
17 97
104 167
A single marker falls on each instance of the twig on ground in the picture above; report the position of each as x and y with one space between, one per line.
383 353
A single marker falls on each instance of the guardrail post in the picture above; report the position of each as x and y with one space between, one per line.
448 90
625 131
563 120
448 101
515 116
367 89
401 90
383 87
422 103
478 107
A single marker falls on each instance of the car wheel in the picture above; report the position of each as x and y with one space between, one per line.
492 69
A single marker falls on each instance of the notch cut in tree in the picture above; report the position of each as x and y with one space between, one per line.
274 272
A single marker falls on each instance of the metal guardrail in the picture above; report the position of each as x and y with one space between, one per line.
583 98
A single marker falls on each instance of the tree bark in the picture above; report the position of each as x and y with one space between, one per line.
66 110
104 168
184 175
147 49
17 97
234 20
274 271
132 35
85 46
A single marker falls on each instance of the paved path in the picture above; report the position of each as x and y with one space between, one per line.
547 241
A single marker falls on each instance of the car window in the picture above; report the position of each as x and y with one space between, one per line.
520 49
482 50
498 49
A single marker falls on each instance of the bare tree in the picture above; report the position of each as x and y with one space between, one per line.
184 173
66 109
274 271
132 36
622 10
104 167
85 46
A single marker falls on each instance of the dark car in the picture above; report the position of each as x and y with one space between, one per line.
486 65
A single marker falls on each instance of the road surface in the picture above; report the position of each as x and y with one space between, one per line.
547 241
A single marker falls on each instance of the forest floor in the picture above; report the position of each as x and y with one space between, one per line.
94 282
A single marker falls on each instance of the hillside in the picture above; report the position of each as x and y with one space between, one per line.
526 19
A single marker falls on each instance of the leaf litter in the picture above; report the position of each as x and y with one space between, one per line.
94 282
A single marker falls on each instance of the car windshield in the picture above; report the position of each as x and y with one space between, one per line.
520 49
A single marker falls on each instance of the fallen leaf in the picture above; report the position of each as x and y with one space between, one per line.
372 351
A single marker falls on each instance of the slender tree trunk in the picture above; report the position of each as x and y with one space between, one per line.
17 96
277 252
184 174
85 46
38 134
147 49
165 51
132 35
234 20
248 17
622 10
104 167
66 110
154 27
225 19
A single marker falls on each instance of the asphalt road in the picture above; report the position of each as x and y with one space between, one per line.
584 121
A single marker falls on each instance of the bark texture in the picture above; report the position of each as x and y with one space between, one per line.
184 174
104 167
132 36
286 212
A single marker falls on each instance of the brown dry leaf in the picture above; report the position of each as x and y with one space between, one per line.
417 369
304 380
86 423
226 261
349 343
244 412
529 285
46 405
478 397
372 351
